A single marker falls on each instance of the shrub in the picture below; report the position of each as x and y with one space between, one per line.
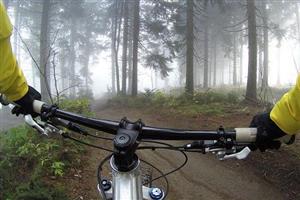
208 97
58 168
233 97
26 157
206 102
159 98
81 106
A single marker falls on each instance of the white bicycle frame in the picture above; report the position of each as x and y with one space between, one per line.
128 185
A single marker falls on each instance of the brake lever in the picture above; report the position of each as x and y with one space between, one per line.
31 122
240 155
221 154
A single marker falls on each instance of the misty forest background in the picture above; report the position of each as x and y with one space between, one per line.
206 43
194 64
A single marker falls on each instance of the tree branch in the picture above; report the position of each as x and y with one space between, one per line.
55 78
72 86
234 25
236 30
28 50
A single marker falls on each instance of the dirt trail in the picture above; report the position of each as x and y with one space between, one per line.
204 177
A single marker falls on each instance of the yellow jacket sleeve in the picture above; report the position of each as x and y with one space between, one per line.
12 81
286 112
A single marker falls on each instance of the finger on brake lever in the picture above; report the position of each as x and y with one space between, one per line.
30 121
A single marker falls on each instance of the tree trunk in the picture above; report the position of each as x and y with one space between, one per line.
229 72
72 58
63 71
196 75
155 79
279 63
86 69
234 60
221 70
210 68
113 55
125 42
252 43
241 59
34 74
118 22
190 47
136 32
44 53
205 78
215 64
86 61
182 74
265 82
130 40
130 65
260 64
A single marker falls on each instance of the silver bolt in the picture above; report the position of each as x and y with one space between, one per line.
156 193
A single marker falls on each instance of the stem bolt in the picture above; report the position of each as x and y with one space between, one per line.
106 185
156 193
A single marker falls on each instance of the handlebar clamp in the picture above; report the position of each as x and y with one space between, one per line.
125 144
48 112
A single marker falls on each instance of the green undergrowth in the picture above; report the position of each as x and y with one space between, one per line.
207 102
219 101
32 166
27 160
80 106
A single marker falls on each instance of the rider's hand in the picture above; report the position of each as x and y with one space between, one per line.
267 132
26 103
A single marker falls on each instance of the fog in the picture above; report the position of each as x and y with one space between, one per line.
88 48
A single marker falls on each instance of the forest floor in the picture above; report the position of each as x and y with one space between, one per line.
271 175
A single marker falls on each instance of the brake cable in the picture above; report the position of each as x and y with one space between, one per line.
162 176
85 143
176 169
99 179
96 136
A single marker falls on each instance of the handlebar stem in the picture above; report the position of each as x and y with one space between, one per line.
125 145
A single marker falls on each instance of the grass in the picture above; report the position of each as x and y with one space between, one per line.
28 160
207 102
220 101
25 160
81 106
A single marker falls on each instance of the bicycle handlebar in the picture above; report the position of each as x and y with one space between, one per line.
242 135
225 144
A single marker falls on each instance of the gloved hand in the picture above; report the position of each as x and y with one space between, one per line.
267 132
26 103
